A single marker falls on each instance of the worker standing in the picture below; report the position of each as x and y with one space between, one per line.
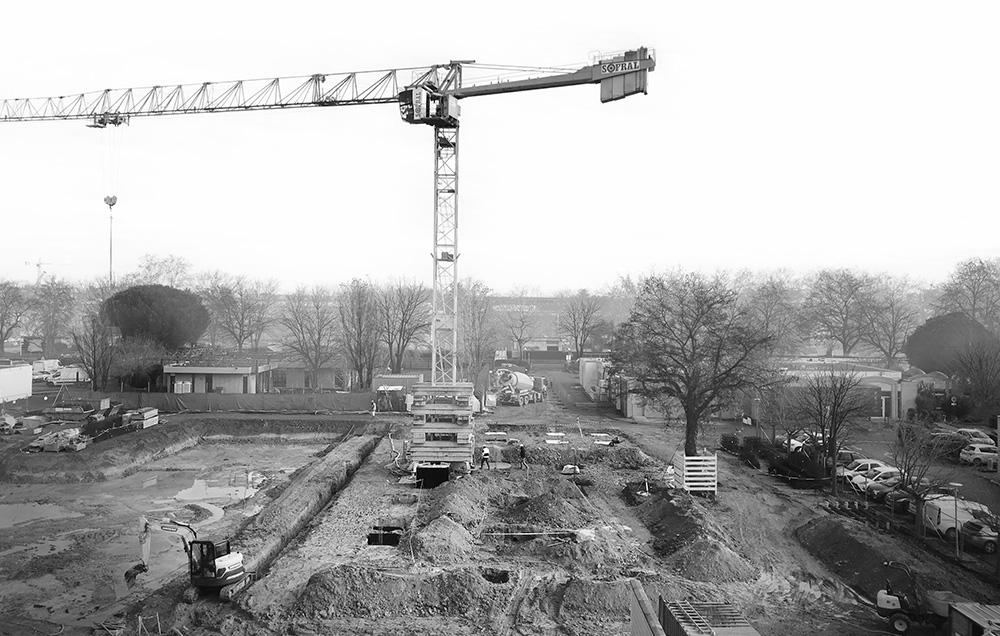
374 408
521 453
484 458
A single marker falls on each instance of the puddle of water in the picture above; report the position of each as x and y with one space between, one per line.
201 490
12 515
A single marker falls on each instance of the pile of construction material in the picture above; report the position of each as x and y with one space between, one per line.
142 418
68 439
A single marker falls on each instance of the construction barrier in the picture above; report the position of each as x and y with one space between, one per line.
240 402
698 473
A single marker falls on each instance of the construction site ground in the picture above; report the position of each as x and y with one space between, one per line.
500 551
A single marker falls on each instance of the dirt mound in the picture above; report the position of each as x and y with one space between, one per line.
442 541
361 592
712 561
857 564
584 452
463 500
669 517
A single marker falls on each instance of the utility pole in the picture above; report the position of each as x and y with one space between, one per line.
111 201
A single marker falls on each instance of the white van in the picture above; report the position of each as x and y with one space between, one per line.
939 514
68 375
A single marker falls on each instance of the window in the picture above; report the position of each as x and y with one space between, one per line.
279 378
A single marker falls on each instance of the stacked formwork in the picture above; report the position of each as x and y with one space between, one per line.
442 424
688 618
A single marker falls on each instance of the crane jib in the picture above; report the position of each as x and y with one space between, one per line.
619 67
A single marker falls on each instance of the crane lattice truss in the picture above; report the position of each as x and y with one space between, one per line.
425 95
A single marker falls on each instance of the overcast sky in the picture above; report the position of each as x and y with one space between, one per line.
775 135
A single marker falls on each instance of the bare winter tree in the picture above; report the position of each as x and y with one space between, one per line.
771 300
618 300
95 342
974 289
979 366
916 453
688 339
14 306
51 310
405 314
889 316
360 329
478 334
829 402
137 361
311 321
580 318
519 318
170 270
832 311
242 308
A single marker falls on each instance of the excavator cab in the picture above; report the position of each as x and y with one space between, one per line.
213 564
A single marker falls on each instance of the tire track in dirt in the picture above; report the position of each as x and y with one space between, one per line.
514 607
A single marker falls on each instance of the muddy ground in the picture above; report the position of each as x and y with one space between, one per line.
504 551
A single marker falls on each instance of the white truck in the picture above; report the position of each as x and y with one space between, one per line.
68 375
15 382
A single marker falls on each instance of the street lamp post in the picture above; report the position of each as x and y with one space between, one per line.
955 486
111 201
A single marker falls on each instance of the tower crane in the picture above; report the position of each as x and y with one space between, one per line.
429 97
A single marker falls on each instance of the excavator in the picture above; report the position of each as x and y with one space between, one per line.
211 562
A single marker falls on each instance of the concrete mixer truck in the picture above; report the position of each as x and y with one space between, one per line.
517 389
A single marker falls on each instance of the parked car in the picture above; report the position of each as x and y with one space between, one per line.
877 474
877 490
855 468
846 456
976 534
795 442
978 454
948 445
974 435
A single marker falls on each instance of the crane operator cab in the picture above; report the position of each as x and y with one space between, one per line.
213 563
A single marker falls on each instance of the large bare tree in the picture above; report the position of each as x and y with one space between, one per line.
95 342
242 308
974 289
771 299
311 321
832 311
360 330
478 334
828 402
916 453
688 339
51 311
170 270
405 314
580 318
519 318
890 316
14 306
979 365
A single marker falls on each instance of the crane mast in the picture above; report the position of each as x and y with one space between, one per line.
431 98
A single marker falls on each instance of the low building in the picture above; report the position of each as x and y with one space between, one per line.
290 375
205 377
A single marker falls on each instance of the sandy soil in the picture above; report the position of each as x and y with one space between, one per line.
504 551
